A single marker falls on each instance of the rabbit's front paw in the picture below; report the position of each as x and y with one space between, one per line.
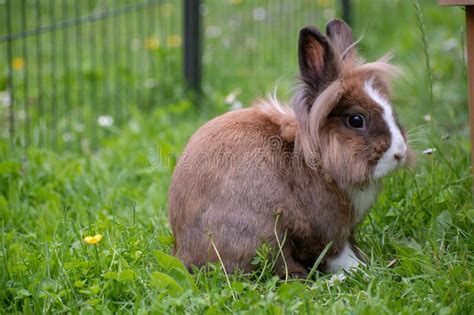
346 260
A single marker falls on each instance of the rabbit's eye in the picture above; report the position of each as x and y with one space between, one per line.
355 121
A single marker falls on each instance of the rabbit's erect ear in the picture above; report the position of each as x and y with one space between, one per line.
317 60
340 35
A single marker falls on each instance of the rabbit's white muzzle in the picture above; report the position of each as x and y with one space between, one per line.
396 154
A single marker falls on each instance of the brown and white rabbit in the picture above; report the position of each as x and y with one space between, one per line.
309 173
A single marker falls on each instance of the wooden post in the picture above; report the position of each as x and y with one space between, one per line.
470 72
470 61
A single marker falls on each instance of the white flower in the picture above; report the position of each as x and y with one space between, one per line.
105 121
450 44
336 279
232 101
429 151
231 97
68 137
234 24
150 83
259 14
5 98
78 127
213 31
427 118
203 9
226 42
236 105
134 126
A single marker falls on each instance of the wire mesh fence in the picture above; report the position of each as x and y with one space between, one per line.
74 66
74 70
256 41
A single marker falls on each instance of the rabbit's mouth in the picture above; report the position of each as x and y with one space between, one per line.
391 161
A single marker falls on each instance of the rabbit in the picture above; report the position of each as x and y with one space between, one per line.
297 178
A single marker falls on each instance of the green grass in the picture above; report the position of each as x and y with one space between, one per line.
421 225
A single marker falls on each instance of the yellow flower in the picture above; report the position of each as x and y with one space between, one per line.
152 43
18 63
174 41
235 2
93 239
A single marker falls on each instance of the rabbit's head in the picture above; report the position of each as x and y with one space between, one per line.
345 118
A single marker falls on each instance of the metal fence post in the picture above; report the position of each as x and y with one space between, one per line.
192 45
346 11
10 86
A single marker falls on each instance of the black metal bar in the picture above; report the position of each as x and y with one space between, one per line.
192 45
167 61
10 88
66 50
78 48
93 95
137 62
39 72
153 26
104 42
25 77
144 64
115 43
68 109
131 64
109 66
148 37
124 45
160 26
346 11
74 22
54 78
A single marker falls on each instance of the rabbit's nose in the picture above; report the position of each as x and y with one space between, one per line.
398 156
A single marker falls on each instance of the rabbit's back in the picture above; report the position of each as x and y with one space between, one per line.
228 184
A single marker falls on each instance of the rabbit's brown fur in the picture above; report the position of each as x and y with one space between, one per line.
243 169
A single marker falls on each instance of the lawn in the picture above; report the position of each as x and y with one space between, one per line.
418 236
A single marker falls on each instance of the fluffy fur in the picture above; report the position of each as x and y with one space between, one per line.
305 166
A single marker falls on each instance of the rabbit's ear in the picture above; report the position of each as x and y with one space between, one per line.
340 35
317 60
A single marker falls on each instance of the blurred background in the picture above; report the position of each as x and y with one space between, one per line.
72 71
97 102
